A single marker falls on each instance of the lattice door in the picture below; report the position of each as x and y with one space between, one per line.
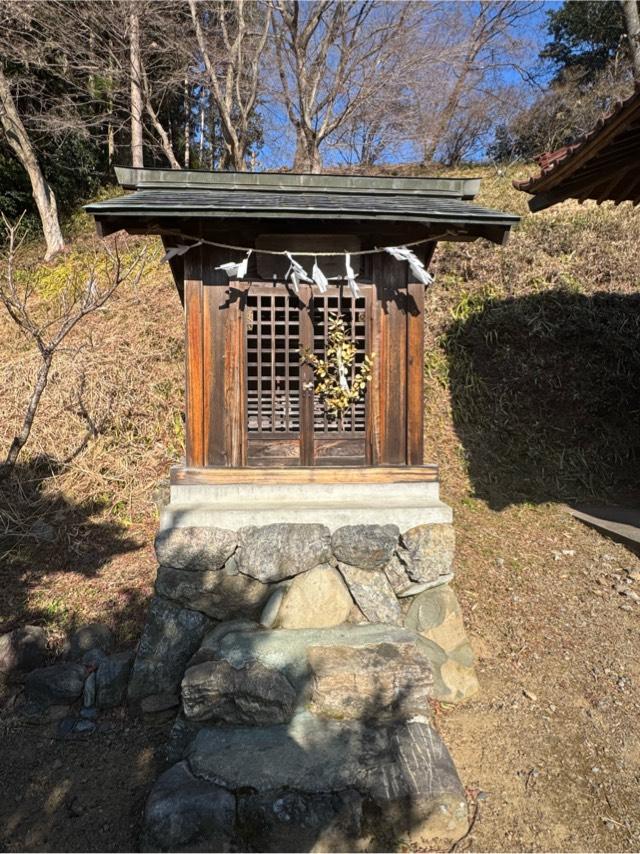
286 423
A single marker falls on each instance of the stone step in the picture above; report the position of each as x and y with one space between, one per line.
310 785
260 677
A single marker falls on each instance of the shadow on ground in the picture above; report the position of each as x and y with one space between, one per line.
43 531
545 393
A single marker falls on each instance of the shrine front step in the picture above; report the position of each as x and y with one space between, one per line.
239 505
311 785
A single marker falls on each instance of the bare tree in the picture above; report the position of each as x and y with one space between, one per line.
485 43
18 139
332 59
233 66
135 78
48 328
632 21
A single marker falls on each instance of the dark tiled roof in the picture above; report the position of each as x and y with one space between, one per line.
251 203
601 165
161 196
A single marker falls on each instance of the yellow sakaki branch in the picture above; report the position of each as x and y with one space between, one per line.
332 372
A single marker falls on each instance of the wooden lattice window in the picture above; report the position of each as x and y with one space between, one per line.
286 423
273 362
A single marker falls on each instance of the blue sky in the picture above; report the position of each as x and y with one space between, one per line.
278 148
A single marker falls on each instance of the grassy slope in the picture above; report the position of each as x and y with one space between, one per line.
532 400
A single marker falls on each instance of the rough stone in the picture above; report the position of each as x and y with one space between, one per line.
428 551
89 690
270 611
342 672
374 682
112 677
402 771
170 637
315 599
365 546
185 813
414 588
454 677
275 552
23 649
253 694
207 649
214 593
87 638
297 821
437 616
55 685
397 575
199 549
373 594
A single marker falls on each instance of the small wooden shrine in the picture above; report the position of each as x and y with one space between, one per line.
252 401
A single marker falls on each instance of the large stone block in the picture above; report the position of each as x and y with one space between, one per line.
402 772
195 548
342 672
373 682
373 594
428 551
316 599
253 694
366 546
275 552
214 592
184 813
170 637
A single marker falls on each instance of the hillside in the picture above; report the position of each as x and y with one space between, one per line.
533 400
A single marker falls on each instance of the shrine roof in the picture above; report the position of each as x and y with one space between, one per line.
160 194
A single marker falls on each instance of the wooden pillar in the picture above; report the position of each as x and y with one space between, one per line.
194 382
388 395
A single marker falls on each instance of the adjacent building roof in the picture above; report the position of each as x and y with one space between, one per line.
196 195
602 165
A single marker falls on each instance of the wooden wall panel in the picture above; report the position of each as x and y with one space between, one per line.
213 333
389 342
194 410
415 374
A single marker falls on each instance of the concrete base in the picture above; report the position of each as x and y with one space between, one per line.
238 505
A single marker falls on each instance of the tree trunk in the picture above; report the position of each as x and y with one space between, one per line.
20 440
187 125
135 70
307 157
632 20
20 143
